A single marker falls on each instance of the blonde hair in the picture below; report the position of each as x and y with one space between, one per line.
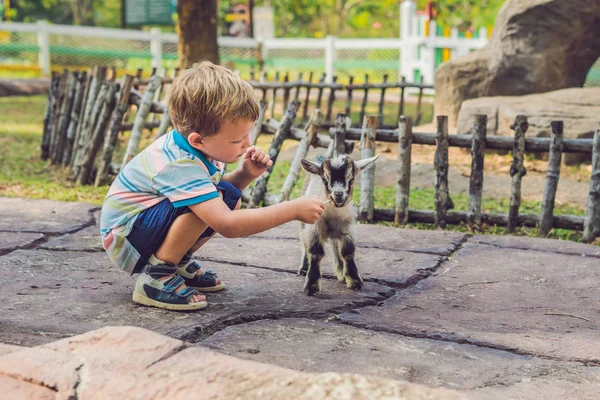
206 95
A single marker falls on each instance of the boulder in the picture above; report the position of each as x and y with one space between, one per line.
578 108
537 46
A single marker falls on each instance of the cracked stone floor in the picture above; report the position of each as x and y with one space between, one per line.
493 317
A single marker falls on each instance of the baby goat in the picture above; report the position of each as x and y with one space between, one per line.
331 179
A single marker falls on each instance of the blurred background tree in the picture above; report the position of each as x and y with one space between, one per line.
293 18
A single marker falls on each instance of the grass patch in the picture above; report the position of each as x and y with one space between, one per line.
24 174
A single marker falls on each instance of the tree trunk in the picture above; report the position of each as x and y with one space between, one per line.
83 14
197 28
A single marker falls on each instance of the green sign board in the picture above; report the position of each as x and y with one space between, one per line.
149 12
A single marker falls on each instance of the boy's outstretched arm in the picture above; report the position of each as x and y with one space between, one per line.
239 223
254 163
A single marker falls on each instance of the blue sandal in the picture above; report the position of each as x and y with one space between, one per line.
205 282
151 291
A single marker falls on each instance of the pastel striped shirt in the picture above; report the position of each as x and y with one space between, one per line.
169 168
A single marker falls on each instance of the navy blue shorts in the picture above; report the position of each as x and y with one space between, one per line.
152 225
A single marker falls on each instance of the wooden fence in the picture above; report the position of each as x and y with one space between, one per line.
342 138
86 110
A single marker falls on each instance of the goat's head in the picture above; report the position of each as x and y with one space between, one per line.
337 174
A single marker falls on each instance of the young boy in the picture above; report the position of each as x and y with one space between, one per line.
172 197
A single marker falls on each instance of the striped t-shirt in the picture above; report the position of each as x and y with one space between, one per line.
170 168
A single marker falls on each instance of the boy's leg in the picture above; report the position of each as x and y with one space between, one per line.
207 281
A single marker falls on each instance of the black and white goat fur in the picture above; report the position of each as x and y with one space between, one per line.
331 179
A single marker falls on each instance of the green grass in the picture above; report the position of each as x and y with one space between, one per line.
24 174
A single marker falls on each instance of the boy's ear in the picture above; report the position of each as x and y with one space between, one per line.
362 164
195 139
310 167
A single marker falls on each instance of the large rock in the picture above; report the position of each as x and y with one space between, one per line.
133 363
537 46
578 108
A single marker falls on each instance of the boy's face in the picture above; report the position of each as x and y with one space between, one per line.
227 145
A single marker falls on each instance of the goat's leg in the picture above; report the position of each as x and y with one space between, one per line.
338 261
314 254
353 279
303 263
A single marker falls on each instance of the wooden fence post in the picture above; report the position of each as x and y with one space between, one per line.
98 133
286 90
367 178
339 140
50 113
113 130
552 176
320 91
311 131
260 188
517 171
140 118
274 96
364 100
59 111
64 117
419 104
80 87
331 100
257 127
349 96
307 98
405 141
401 105
591 223
477 167
381 102
443 201
165 119
81 138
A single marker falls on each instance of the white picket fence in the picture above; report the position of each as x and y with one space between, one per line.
413 54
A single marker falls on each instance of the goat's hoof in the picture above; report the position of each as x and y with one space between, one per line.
312 289
302 272
340 276
354 284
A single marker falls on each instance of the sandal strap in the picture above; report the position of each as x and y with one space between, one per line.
160 270
173 283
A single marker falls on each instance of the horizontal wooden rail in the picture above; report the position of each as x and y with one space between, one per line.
532 145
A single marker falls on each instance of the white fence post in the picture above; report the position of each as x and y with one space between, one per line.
43 41
408 33
329 58
156 49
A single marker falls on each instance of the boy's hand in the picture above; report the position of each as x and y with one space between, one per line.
309 209
256 162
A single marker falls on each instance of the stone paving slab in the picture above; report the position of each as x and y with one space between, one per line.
394 268
44 216
53 294
10 241
316 346
87 239
8 348
133 363
433 242
528 302
528 243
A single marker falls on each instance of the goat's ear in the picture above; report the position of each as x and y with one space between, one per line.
310 167
362 164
